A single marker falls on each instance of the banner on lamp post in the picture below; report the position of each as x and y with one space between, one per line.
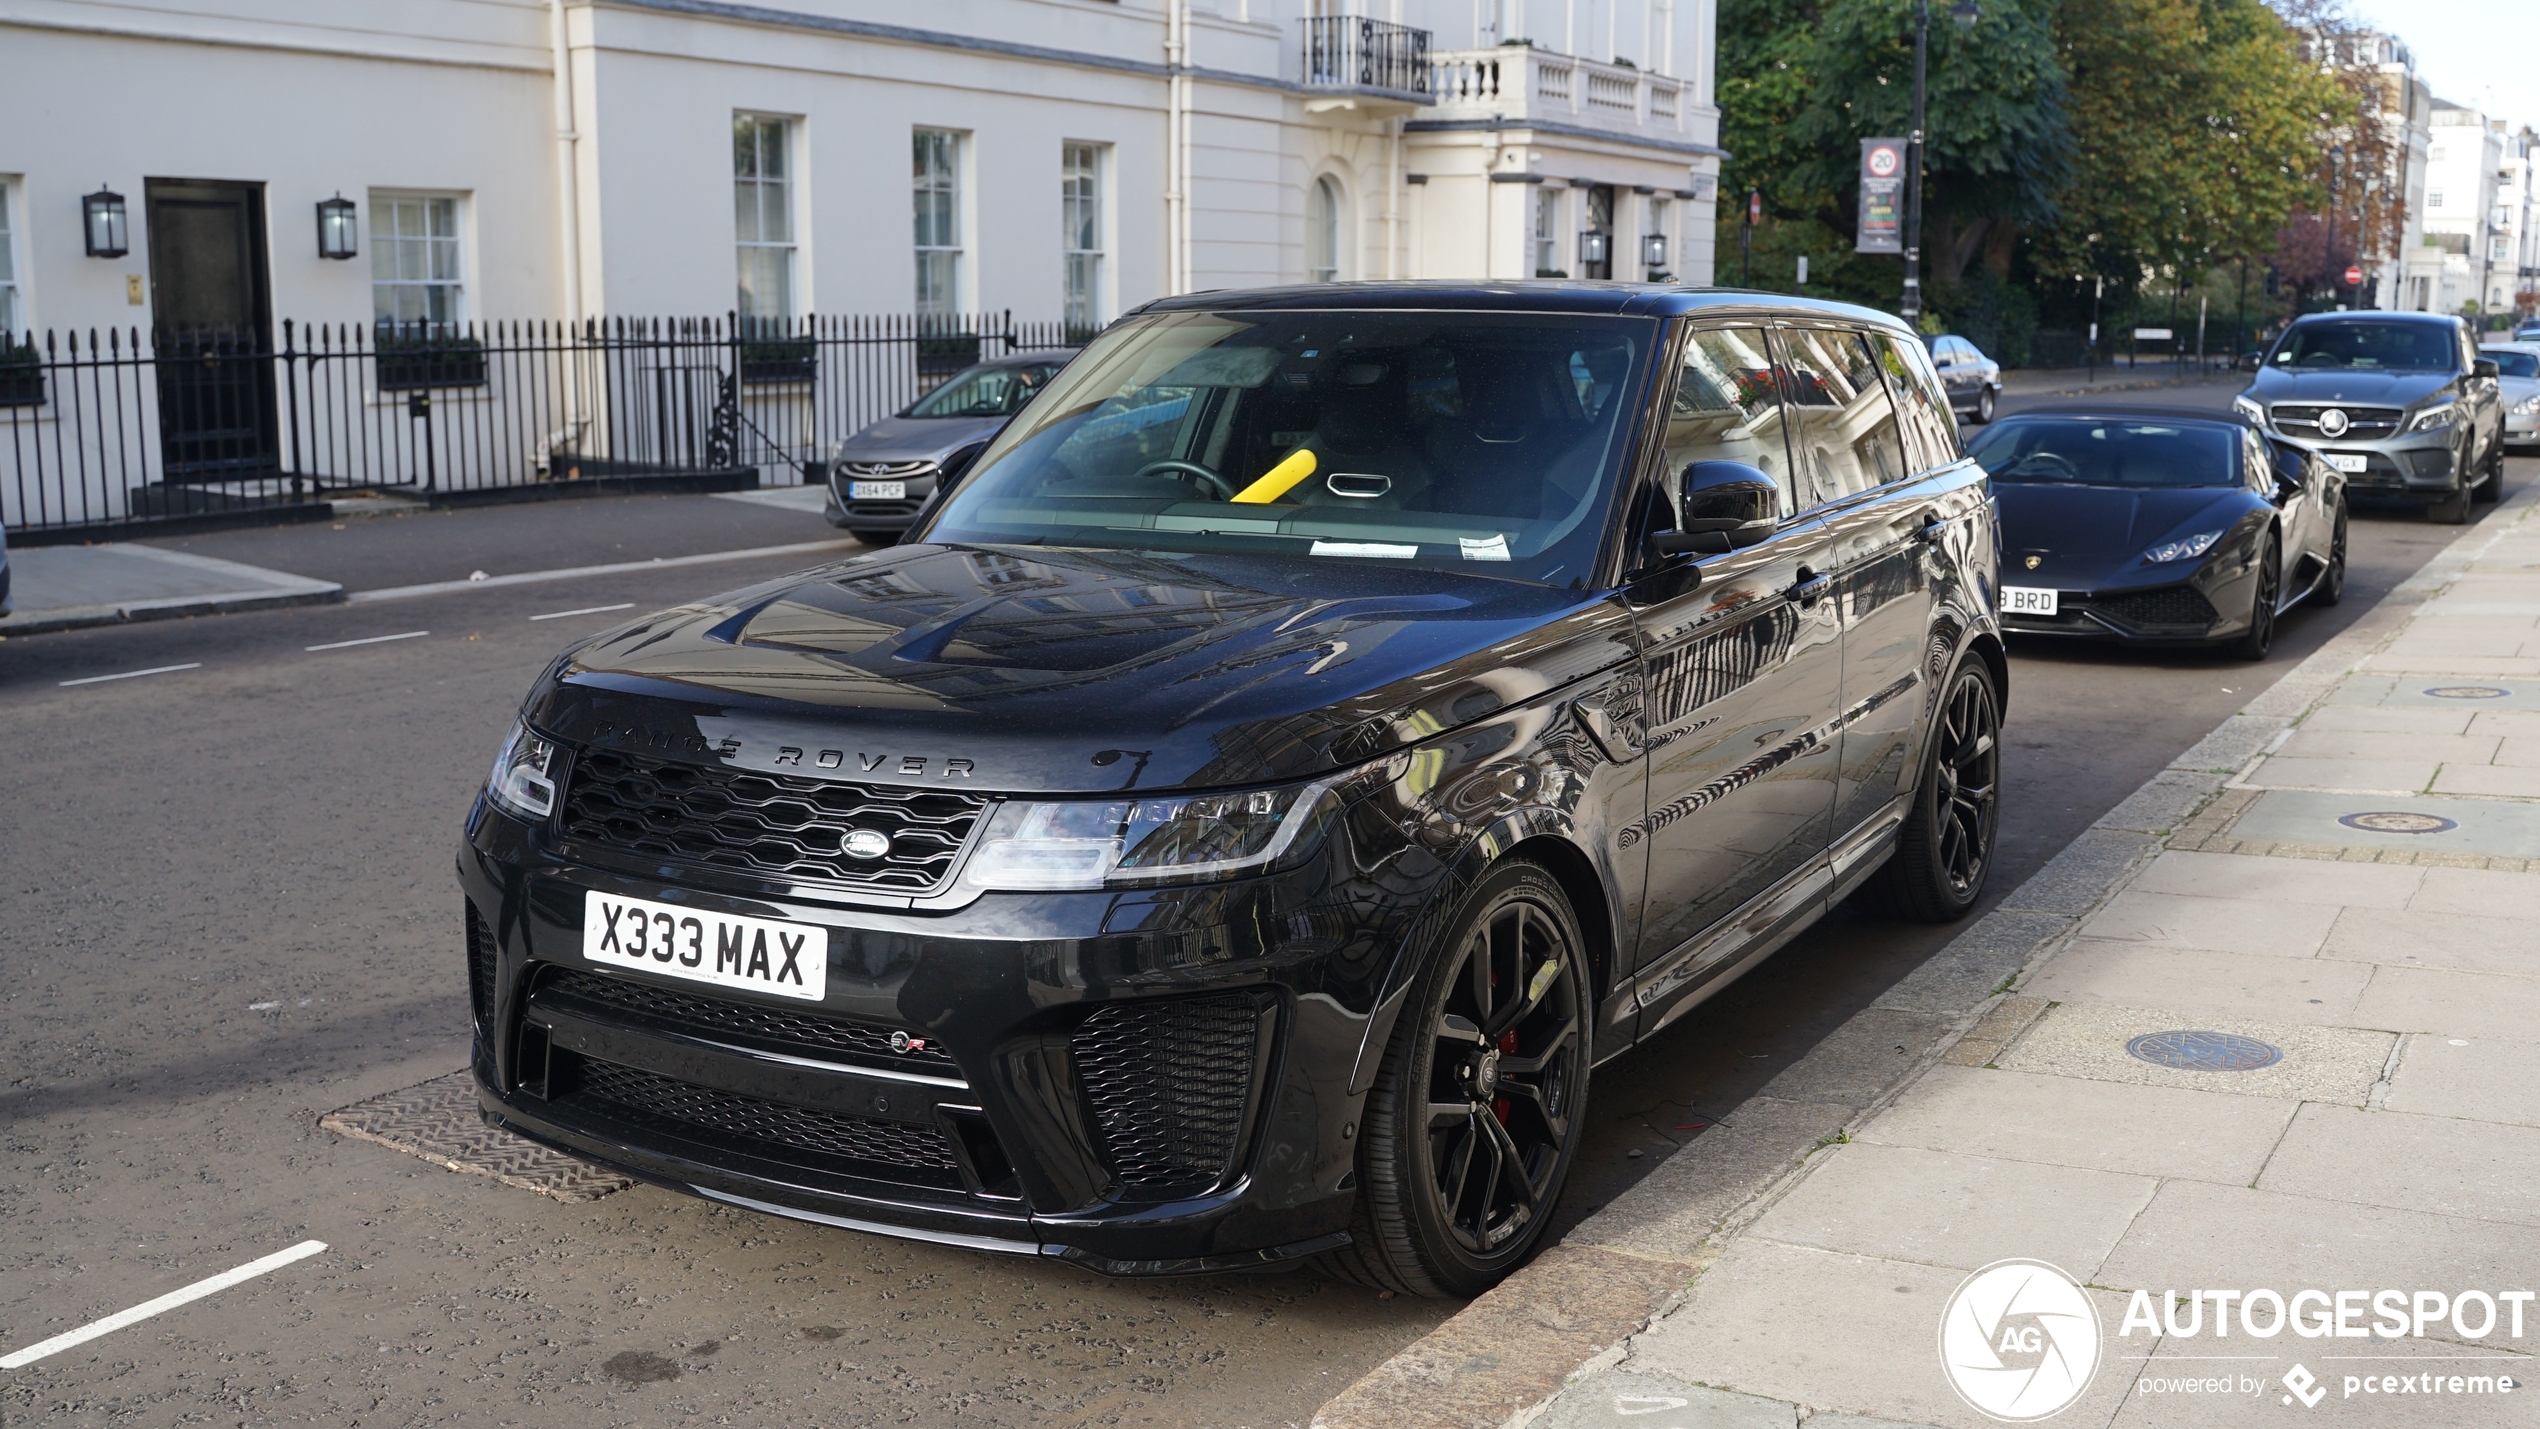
1882 225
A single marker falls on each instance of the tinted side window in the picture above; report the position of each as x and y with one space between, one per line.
1931 431
1726 408
1844 424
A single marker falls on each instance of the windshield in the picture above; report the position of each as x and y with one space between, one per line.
1485 441
2514 364
984 392
2423 347
2082 451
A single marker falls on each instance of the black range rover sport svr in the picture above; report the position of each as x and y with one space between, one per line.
1325 724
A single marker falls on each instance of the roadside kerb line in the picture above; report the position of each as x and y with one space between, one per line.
1633 1260
169 1301
658 563
135 674
368 640
586 610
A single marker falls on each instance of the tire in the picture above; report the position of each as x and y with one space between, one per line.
2254 643
2493 487
875 538
1945 849
1984 406
2452 510
1426 1124
2332 584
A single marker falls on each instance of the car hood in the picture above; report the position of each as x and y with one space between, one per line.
916 438
2362 387
2088 537
1018 671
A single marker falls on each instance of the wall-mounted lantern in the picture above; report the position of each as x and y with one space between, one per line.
1592 247
338 230
104 221
1653 252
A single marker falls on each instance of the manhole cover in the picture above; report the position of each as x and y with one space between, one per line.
2468 692
2204 1051
2397 822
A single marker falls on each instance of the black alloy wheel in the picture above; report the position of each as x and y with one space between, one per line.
1478 1111
2453 509
1984 406
1945 848
2492 488
2332 585
2259 638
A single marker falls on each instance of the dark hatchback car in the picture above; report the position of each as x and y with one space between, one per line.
883 476
1325 724
2157 527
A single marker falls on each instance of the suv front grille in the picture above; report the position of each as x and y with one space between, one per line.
769 825
1168 1081
2170 606
806 1034
2302 419
779 1131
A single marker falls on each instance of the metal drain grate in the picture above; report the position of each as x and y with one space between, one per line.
2204 1051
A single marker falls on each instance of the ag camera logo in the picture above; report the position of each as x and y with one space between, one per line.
2019 1341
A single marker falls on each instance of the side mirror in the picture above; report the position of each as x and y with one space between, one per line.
2484 367
1723 506
2250 361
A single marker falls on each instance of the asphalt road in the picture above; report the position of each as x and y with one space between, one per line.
228 900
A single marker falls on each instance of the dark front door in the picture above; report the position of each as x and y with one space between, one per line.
213 321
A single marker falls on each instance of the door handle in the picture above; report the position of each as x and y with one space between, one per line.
1810 587
1929 532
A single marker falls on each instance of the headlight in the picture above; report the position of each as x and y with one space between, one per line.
2433 417
520 783
2528 405
1099 843
2193 546
2250 409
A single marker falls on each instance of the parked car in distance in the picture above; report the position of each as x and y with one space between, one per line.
2518 388
881 477
1324 725
2527 330
2402 404
2157 527
1973 380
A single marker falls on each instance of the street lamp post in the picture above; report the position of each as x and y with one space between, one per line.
1965 13
2336 185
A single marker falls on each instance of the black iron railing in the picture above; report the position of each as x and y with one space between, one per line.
1347 52
105 431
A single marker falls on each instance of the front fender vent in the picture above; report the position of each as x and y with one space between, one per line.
1170 1081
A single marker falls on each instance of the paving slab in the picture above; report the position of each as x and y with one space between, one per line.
2478 696
2387 719
2479 1078
2329 1064
1976 963
2278 880
2405 999
2315 743
1943 1208
2471 890
1860 1059
1687 1196
2203 984
2464 942
2076 880
2315 817
2395 776
2491 780
2240 925
1654 1401
2472 1169
2101 1126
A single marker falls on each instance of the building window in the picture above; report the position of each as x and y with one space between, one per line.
415 268
935 172
2434 198
763 219
1547 235
1323 232
9 320
1659 258
1081 238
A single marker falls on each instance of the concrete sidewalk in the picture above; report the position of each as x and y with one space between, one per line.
67 587
2342 882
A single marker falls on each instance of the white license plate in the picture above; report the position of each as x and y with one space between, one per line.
2345 461
2027 600
759 954
877 490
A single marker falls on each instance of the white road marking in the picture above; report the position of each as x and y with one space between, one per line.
586 610
373 640
169 1301
758 553
135 674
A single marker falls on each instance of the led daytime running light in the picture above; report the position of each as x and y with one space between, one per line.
522 781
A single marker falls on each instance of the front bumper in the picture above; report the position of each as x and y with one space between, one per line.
1141 1083
2185 611
2419 465
877 514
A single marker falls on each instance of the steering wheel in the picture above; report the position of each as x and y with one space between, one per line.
1205 481
2047 464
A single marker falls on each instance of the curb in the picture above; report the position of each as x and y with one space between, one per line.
79 617
1492 1364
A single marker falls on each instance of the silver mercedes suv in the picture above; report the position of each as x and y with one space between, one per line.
2400 402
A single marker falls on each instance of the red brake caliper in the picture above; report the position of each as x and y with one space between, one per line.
1507 1047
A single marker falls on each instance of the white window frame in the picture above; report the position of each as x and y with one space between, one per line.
1544 237
939 231
759 196
386 211
13 316
1084 206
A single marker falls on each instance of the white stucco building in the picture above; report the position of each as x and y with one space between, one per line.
1059 158
2477 253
